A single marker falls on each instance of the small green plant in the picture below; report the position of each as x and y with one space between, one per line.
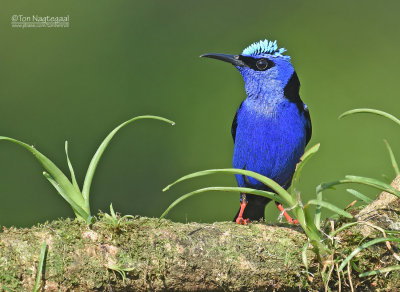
348 261
120 270
113 219
69 190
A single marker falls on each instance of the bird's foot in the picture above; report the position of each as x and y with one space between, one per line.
243 204
293 221
241 221
286 215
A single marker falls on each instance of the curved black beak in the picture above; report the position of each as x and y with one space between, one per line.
233 59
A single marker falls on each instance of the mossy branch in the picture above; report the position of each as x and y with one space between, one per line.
145 254
158 256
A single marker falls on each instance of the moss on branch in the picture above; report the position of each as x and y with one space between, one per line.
145 254
164 255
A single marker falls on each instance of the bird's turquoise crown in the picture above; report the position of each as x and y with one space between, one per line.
265 47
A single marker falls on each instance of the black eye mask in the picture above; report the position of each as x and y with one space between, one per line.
261 64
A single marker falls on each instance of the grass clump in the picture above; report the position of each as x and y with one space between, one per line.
69 189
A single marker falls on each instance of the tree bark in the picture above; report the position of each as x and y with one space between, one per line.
174 256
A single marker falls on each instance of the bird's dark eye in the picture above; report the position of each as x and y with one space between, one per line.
262 64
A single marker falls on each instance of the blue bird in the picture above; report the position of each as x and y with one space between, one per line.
272 126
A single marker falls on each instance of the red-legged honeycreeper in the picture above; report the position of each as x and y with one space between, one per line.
272 125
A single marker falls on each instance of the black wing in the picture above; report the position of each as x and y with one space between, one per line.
234 123
308 125
291 92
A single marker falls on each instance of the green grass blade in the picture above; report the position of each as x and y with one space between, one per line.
307 216
311 229
392 158
265 180
53 170
306 156
330 207
355 267
341 228
317 217
40 267
80 213
304 254
123 275
374 183
127 217
370 111
360 196
95 160
360 180
364 246
380 271
112 212
71 169
269 195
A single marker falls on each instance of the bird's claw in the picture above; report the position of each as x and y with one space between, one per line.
241 221
243 204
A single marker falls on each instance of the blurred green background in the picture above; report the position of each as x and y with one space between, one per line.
120 59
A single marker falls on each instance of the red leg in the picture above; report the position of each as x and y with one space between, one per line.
243 204
285 214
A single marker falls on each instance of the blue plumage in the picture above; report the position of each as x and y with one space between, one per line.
272 125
